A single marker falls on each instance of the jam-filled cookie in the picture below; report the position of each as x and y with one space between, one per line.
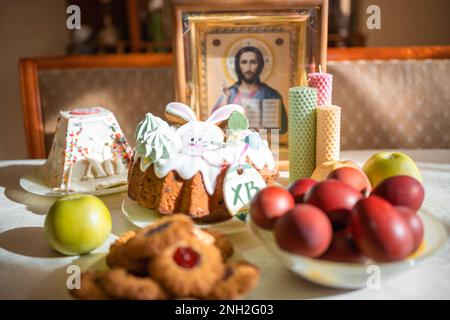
238 279
119 284
204 236
118 256
89 287
222 242
189 268
152 240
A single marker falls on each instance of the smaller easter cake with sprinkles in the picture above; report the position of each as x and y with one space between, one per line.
89 152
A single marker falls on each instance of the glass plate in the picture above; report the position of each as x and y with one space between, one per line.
353 275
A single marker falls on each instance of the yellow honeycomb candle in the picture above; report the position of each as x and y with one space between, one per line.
328 133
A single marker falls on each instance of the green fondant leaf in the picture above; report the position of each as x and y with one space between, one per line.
238 121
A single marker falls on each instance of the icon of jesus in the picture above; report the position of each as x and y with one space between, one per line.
264 105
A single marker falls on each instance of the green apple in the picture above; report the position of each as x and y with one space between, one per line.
385 164
77 224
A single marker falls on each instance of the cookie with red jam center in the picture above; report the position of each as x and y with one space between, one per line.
189 268
118 256
238 279
222 242
90 288
152 240
119 284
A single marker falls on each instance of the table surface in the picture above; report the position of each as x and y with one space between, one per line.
29 269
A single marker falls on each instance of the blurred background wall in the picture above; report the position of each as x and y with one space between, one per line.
31 28
407 22
28 28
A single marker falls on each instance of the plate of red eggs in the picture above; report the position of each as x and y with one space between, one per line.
336 232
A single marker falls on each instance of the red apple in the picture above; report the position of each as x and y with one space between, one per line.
355 178
304 230
269 204
415 223
380 231
343 248
300 187
336 199
401 191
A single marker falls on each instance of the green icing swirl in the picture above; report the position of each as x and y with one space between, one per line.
155 141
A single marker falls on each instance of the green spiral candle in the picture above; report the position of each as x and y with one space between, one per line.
302 132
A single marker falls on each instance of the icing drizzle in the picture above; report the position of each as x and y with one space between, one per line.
211 162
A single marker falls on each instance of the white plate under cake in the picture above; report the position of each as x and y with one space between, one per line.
33 183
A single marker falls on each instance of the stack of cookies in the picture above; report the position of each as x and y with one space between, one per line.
170 259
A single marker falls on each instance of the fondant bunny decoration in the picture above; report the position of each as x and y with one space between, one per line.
199 136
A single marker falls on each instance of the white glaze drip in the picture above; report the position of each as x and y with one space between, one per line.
210 163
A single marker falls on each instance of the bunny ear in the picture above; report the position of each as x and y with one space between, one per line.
223 113
180 113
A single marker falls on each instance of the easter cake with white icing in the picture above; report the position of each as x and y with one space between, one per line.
89 152
180 168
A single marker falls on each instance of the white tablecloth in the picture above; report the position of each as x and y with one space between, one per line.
29 269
